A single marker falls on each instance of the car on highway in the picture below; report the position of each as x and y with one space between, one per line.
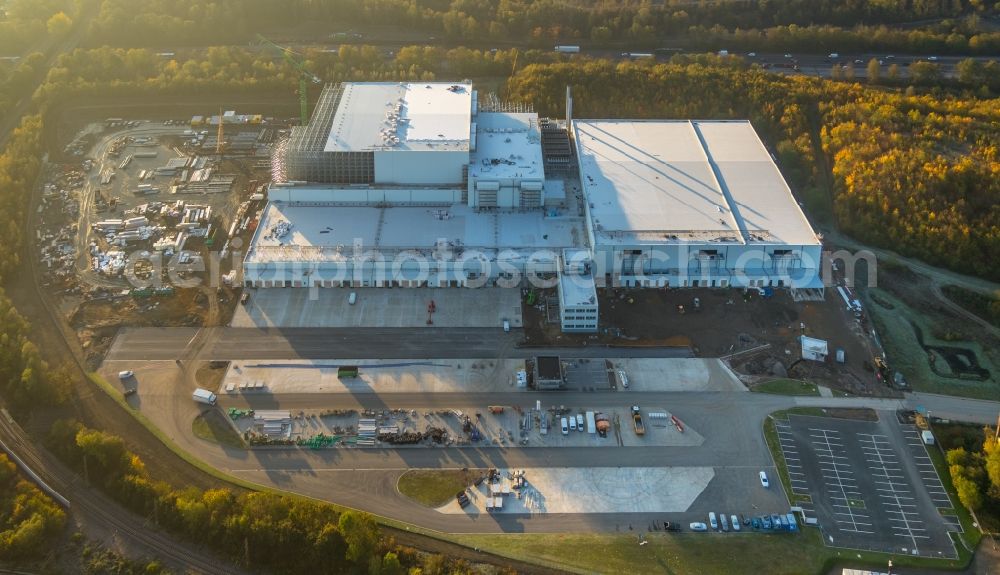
735 521
752 54
788 55
763 480
932 58
698 527
712 520
125 374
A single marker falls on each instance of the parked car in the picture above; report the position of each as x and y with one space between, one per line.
565 427
353 298
712 520
579 422
125 374
671 526
698 527
755 523
765 522
763 480
735 522
572 423
724 522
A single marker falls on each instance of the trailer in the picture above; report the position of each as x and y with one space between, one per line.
204 396
568 49
640 427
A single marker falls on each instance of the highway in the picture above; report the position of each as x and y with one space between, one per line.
226 343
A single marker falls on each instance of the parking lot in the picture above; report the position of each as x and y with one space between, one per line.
870 484
379 307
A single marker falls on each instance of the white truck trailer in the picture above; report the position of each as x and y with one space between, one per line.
204 396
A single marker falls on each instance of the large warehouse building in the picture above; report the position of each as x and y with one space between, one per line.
419 185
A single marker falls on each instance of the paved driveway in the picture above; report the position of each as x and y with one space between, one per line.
379 307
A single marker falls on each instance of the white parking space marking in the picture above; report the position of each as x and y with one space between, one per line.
881 457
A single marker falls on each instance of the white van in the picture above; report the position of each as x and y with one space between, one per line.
506 326
579 422
353 298
572 423
565 427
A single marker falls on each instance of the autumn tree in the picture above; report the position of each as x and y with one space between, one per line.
874 70
59 24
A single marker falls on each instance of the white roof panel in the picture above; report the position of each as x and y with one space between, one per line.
668 181
289 232
508 146
400 116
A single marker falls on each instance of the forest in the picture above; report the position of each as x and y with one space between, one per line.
284 534
24 23
30 521
974 467
773 25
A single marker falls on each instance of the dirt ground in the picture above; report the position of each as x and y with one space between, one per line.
729 321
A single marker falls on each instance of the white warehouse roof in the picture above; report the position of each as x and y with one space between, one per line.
662 181
508 146
310 233
399 116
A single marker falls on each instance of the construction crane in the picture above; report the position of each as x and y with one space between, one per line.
294 59
218 136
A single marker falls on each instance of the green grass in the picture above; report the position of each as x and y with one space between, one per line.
212 426
434 487
787 387
907 356
687 553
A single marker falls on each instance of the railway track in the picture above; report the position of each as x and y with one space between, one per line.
94 506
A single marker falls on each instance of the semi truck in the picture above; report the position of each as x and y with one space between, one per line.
640 427
568 49
204 396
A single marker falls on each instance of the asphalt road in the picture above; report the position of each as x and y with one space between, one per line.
324 343
729 422
366 478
